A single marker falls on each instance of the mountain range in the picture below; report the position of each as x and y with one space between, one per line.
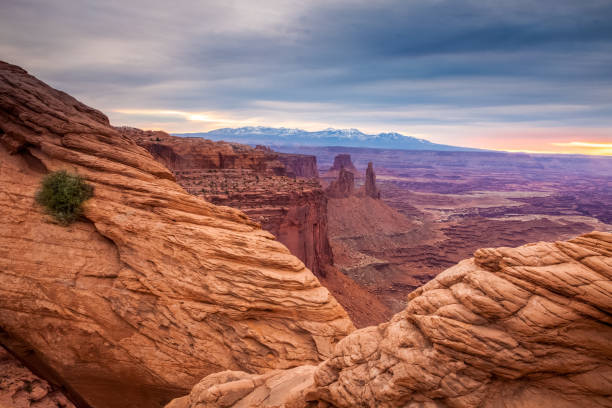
328 137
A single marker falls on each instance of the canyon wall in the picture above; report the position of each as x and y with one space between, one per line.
153 288
511 327
257 181
299 165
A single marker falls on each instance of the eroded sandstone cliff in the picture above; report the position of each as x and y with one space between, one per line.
154 288
511 327
255 180
260 182
343 186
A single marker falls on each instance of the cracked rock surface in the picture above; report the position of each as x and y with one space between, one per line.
511 327
154 288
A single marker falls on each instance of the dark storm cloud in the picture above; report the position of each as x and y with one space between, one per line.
361 56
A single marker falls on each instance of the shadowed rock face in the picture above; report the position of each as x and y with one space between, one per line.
299 165
370 183
294 210
510 327
255 181
343 187
154 288
20 388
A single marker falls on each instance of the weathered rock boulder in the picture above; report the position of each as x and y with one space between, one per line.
342 187
511 327
154 288
370 183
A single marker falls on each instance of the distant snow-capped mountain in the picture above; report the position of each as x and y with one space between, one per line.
253 135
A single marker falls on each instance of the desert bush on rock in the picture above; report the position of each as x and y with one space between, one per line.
62 194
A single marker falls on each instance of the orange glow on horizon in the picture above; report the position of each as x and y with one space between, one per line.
495 136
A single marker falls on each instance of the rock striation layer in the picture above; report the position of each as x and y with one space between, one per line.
154 288
510 327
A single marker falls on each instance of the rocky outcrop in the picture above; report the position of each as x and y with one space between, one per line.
154 288
20 388
299 165
343 161
255 181
511 327
343 187
294 210
370 183
192 154
295 213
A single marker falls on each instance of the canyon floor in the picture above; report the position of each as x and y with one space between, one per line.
442 206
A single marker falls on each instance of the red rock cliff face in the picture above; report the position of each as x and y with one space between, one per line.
153 288
255 181
370 184
299 165
343 187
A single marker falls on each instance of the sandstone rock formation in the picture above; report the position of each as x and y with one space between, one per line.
20 388
511 327
340 161
370 183
343 187
154 288
370 242
299 165
254 181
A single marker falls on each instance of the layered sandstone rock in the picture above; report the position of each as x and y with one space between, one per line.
511 327
342 187
294 210
255 181
370 183
154 288
299 165
20 388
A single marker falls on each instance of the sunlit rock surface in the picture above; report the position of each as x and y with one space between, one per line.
510 327
155 288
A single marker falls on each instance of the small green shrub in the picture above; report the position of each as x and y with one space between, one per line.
62 194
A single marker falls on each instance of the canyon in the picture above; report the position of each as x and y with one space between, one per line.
437 208
279 191
153 288
162 294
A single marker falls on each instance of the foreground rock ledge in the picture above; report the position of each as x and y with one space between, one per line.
511 327
155 288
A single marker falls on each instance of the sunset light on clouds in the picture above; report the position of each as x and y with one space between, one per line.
476 74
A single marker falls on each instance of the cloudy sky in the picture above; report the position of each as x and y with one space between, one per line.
513 75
